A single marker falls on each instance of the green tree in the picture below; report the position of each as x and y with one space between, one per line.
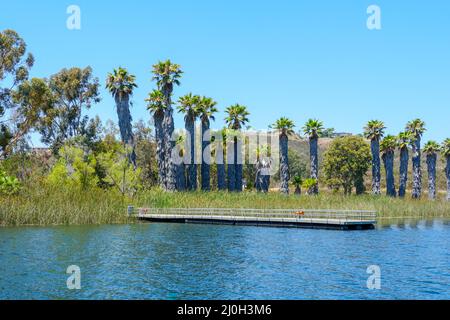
431 149
297 181
387 148
313 128
121 84
188 105
416 128
403 142
285 127
346 162
206 110
8 185
374 131
167 74
15 64
237 117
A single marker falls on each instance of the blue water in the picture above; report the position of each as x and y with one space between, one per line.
178 261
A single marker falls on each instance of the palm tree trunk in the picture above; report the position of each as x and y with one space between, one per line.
431 166
231 165
169 143
376 166
388 160
206 158
258 176
159 135
298 191
238 163
417 170
447 174
220 163
284 164
313 154
404 159
180 176
126 131
191 180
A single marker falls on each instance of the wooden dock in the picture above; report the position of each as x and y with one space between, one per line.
316 219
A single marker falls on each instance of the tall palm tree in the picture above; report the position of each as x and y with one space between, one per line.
206 110
156 107
188 106
431 149
445 151
167 74
180 168
285 127
237 117
220 159
416 127
313 128
374 131
403 142
263 164
121 84
387 148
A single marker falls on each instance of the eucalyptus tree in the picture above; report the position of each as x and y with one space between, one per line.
156 107
167 74
121 84
416 127
387 149
285 128
206 110
188 105
313 129
445 152
237 117
403 142
374 131
431 149
15 65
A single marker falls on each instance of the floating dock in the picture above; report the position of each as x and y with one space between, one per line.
293 218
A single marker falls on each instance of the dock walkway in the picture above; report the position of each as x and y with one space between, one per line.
302 218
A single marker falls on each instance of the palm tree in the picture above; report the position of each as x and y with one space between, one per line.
285 127
206 110
220 159
237 117
180 167
313 128
387 148
374 131
416 127
263 164
403 142
167 74
297 182
121 84
445 151
188 106
156 107
431 149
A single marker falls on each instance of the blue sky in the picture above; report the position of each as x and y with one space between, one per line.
300 59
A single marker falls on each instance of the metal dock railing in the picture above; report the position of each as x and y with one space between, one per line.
325 218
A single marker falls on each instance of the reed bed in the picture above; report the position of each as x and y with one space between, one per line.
44 205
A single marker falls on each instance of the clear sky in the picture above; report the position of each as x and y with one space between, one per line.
294 58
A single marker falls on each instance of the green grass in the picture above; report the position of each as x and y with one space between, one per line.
58 206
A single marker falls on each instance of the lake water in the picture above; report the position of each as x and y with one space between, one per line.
182 261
